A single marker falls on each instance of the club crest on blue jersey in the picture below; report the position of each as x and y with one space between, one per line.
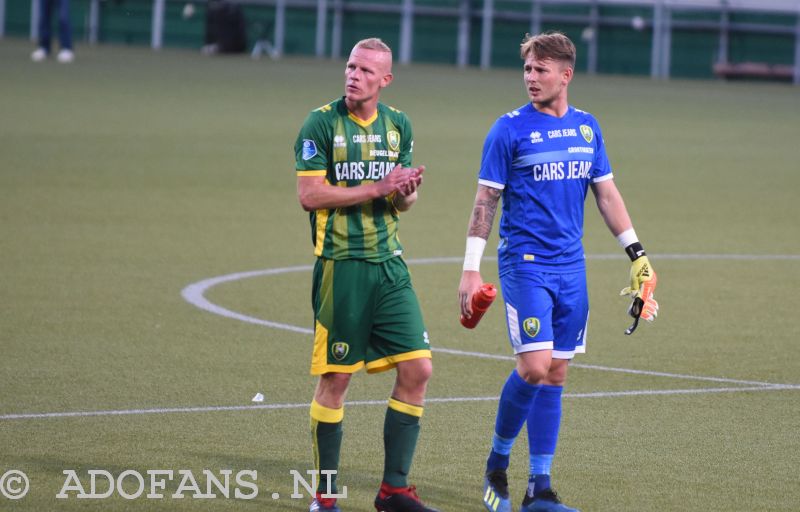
309 149
393 138
339 350
531 326
587 132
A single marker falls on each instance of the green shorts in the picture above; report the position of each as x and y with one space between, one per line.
366 314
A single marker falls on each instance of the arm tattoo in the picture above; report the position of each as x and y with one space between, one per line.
483 212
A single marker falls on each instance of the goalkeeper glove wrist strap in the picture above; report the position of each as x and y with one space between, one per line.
635 251
630 242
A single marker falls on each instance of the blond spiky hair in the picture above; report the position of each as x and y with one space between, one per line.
373 43
551 45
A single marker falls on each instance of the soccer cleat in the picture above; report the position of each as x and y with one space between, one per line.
39 55
406 500
495 491
324 505
544 501
65 56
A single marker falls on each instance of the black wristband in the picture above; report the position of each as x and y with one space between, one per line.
635 251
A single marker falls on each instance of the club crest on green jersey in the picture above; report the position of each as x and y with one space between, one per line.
587 132
393 138
531 326
339 350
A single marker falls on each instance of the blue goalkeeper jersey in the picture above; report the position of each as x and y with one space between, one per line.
544 165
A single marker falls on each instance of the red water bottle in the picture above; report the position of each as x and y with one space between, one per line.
481 300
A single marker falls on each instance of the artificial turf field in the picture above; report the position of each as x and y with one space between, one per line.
130 178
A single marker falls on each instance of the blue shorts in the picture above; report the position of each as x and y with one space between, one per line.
546 311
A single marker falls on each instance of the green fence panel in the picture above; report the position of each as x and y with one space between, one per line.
769 48
435 40
624 51
694 53
126 21
182 29
359 26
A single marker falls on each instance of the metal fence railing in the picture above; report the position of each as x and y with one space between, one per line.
476 21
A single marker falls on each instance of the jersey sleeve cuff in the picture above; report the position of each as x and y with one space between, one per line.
302 172
492 184
605 177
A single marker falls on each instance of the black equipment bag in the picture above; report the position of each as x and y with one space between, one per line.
225 27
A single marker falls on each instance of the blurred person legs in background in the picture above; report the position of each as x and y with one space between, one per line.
65 53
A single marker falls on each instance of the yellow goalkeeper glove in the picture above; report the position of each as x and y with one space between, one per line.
643 285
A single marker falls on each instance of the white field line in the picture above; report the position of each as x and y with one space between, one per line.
195 295
611 369
621 256
260 407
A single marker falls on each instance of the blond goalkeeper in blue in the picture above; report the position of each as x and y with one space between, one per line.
542 158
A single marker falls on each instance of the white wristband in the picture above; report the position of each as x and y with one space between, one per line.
474 253
627 238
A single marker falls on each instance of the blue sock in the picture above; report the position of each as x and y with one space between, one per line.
544 421
512 411
540 481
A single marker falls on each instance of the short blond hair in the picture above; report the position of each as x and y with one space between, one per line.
373 43
550 45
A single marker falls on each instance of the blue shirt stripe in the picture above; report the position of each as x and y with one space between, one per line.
551 156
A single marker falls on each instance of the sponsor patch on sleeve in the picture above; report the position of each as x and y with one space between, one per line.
309 149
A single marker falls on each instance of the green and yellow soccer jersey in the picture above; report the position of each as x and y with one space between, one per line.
349 152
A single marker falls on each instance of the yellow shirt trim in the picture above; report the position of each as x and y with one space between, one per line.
361 122
322 221
321 172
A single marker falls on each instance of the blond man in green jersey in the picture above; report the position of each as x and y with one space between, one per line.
354 176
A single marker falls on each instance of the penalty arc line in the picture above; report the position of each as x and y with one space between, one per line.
195 294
